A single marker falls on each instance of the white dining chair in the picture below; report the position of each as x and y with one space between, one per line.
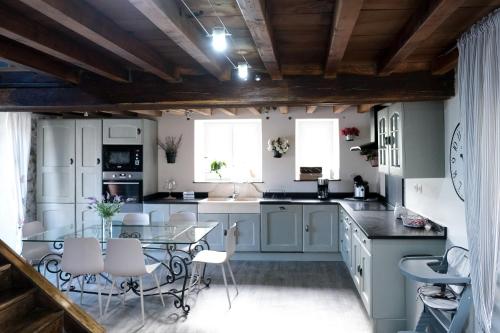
125 258
83 256
219 258
137 219
34 251
182 217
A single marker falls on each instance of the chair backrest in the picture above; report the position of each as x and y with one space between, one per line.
32 228
182 217
82 256
136 219
124 257
231 240
458 264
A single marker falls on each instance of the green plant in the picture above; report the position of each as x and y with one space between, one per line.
106 208
171 144
216 166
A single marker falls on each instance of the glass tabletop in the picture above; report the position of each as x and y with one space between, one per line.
180 233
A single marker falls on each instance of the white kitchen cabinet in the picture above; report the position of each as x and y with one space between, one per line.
158 213
320 228
247 232
55 175
122 131
179 208
88 167
365 288
215 238
281 228
86 217
56 215
411 139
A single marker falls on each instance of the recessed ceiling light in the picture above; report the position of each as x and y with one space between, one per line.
219 42
243 70
257 77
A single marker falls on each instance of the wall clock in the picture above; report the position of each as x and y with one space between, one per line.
457 161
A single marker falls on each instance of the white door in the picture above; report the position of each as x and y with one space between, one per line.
88 159
248 231
321 227
55 176
281 228
86 217
382 129
56 215
215 238
158 213
122 131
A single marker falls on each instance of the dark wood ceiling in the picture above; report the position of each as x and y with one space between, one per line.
125 42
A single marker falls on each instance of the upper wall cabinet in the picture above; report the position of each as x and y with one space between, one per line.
88 159
122 131
55 179
411 140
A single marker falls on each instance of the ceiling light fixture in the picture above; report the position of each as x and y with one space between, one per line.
257 77
219 42
243 70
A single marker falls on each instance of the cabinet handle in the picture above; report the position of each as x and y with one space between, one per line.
355 229
360 270
98 161
71 161
346 228
364 241
138 131
282 208
307 228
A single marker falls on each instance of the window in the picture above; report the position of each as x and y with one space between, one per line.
237 143
317 145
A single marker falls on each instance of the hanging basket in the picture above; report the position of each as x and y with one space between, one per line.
171 157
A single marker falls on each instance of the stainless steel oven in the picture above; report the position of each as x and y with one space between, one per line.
122 158
127 186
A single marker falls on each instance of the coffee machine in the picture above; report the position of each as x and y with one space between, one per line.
323 188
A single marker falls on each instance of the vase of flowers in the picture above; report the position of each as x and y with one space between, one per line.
349 133
216 166
170 146
106 208
278 146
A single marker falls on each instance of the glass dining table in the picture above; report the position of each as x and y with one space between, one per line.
174 246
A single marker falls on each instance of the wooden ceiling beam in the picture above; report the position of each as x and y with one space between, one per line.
256 17
203 111
311 108
226 111
283 109
37 61
363 108
253 110
150 113
418 28
345 15
170 19
340 108
445 62
55 44
83 19
120 113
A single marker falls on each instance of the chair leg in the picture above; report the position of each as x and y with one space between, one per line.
191 281
225 284
232 276
159 288
82 285
98 281
109 296
69 285
200 270
142 299
124 296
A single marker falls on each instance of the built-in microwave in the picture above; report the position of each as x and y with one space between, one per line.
123 158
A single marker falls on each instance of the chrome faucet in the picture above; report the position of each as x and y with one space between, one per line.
236 192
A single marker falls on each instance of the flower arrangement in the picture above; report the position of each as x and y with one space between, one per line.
278 146
106 208
350 133
216 166
170 146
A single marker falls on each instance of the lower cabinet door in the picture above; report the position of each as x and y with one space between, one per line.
248 231
281 228
158 213
86 217
53 215
215 238
355 261
178 208
365 272
321 228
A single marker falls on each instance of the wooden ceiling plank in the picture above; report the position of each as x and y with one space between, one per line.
253 110
256 17
37 61
340 108
80 17
171 21
53 43
203 111
445 62
363 108
151 113
311 108
121 113
226 111
420 26
283 109
345 16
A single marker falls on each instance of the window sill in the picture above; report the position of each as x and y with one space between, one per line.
315 180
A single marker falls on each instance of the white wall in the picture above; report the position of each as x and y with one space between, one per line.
277 173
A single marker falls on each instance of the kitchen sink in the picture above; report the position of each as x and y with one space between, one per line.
222 205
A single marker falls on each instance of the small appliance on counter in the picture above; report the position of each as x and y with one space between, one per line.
323 191
360 187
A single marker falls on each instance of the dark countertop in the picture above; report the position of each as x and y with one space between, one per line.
375 221
161 198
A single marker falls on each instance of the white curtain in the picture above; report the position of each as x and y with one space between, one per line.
479 91
15 136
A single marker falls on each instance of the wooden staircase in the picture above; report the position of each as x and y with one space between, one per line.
31 304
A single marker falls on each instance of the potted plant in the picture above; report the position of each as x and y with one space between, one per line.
278 146
170 146
216 166
350 132
106 208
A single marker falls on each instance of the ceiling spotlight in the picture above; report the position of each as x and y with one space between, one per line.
243 70
257 77
219 42
86 114
188 115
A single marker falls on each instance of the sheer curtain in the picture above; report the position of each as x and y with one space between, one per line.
15 136
479 91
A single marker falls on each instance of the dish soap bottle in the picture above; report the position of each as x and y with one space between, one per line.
399 210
